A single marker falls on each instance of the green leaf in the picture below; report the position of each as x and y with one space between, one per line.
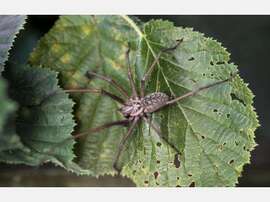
9 27
44 119
214 130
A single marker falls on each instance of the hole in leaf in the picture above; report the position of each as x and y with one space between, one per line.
234 97
192 184
158 161
211 63
215 110
190 175
204 74
220 63
177 178
178 185
231 161
158 144
228 115
203 137
220 147
176 161
190 59
236 143
156 174
212 75
224 143
146 182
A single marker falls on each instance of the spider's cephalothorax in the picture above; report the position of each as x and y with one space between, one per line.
141 106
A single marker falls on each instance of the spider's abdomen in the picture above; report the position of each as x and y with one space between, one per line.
154 101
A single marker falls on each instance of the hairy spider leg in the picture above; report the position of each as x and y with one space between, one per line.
125 122
123 141
130 77
94 90
151 68
111 81
191 93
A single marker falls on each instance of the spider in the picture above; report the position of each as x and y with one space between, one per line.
137 106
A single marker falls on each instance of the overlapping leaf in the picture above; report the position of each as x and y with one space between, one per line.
9 27
44 118
214 130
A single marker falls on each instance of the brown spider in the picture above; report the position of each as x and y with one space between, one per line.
138 106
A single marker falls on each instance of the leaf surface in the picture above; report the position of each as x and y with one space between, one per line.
213 130
44 119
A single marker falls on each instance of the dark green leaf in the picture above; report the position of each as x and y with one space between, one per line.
44 119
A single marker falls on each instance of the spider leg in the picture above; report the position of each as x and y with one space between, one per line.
191 93
111 81
131 81
158 131
99 91
151 68
102 127
51 150
122 143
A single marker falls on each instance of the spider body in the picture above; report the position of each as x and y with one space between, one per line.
140 107
154 101
137 106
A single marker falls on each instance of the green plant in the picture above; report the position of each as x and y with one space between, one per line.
214 130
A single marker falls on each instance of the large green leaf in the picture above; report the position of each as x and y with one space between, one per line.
214 130
44 119
9 27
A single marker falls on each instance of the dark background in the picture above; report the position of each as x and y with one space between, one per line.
247 38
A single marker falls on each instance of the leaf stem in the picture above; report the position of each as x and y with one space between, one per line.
133 25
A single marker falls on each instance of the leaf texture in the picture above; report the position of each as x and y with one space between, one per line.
44 119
